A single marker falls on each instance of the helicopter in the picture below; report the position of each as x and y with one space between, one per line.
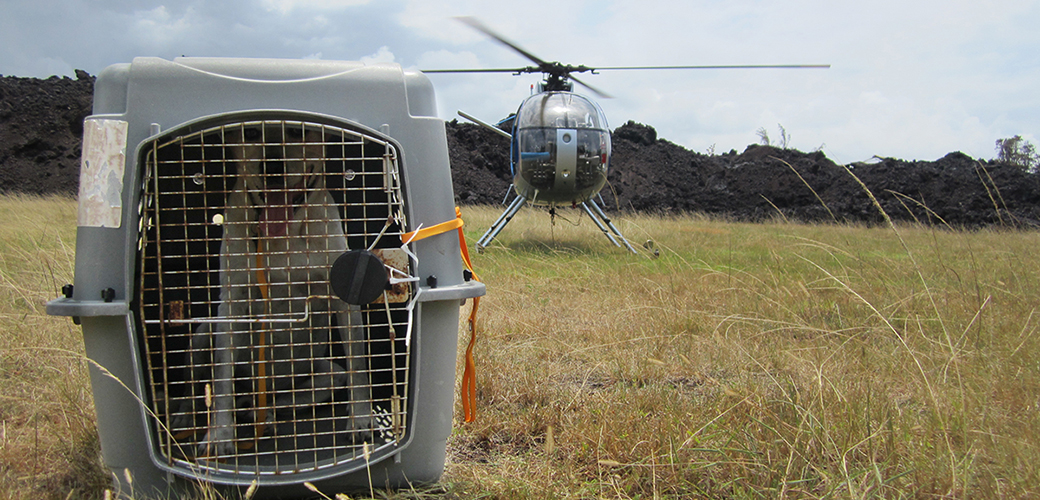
559 140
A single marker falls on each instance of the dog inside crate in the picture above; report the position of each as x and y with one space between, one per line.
252 358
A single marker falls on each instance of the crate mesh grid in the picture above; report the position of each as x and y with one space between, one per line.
186 193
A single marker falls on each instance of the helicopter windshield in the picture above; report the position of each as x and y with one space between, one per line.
561 148
561 110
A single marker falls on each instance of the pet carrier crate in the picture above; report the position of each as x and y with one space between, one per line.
245 278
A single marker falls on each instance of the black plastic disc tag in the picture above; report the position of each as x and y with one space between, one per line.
358 277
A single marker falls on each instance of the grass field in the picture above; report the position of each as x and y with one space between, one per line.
747 361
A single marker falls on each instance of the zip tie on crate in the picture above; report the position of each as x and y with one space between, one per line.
469 375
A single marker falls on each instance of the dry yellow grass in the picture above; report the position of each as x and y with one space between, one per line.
755 361
747 361
48 443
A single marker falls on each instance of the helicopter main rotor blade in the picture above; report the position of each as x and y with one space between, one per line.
598 92
529 69
719 66
583 69
479 26
556 73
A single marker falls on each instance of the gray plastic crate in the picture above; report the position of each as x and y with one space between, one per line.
242 280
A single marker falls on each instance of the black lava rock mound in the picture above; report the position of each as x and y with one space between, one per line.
649 174
41 128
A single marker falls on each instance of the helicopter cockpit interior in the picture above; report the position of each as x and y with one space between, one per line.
561 148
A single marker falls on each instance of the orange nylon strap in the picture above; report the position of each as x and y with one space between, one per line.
426 232
469 375
262 390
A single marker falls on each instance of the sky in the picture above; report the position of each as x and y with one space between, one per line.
909 79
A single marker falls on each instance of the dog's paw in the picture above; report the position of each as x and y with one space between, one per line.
362 422
217 443
376 426
269 426
363 430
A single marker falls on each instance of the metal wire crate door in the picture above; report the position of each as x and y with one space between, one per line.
234 298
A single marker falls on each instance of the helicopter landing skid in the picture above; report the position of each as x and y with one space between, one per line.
499 224
600 218
590 207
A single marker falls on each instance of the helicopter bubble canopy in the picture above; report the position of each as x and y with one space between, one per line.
561 110
561 149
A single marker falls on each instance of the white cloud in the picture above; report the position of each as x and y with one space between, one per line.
913 80
159 27
383 55
446 59
284 7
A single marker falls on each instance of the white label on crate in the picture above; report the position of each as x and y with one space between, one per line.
101 173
